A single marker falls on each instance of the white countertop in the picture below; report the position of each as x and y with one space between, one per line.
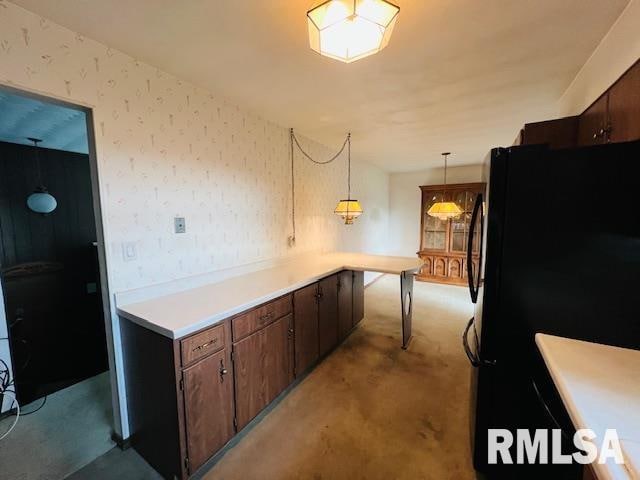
600 388
183 313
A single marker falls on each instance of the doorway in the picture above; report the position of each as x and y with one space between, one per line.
54 375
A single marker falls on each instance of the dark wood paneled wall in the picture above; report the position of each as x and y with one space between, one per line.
57 329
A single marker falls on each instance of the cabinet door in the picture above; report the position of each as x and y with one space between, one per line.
434 230
328 314
593 121
262 368
345 303
305 309
455 268
208 404
624 107
440 266
358 297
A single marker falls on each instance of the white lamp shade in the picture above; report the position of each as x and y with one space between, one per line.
42 202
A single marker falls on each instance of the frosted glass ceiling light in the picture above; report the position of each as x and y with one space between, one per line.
445 210
348 30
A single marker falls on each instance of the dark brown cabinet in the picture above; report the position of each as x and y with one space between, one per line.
444 243
557 133
208 405
328 314
624 107
262 368
188 397
613 117
345 303
305 307
594 125
358 297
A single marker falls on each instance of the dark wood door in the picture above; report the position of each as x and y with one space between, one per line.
345 303
262 368
305 308
624 107
358 297
208 404
593 123
328 314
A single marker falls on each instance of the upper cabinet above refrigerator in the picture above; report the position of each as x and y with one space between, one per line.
612 118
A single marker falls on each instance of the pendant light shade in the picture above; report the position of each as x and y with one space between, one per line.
40 201
445 210
348 210
348 30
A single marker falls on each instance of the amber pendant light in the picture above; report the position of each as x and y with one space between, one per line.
348 209
445 210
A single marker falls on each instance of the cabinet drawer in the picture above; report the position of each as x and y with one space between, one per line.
257 318
202 344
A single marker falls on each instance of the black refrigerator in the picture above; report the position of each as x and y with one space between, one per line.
560 255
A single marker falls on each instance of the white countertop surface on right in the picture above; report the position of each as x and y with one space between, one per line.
600 388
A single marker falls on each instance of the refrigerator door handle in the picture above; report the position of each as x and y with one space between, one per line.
474 357
473 288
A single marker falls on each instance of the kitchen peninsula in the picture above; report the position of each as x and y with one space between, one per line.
202 363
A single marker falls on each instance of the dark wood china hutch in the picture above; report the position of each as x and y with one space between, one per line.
443 243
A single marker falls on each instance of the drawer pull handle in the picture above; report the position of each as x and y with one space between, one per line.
205 345
266 317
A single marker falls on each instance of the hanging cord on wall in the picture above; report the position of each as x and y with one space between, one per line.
294 140
17 413
6 384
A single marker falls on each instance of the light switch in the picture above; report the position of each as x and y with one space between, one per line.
179 225
129 251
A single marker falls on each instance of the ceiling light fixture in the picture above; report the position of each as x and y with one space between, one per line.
348 30
40 201
445 210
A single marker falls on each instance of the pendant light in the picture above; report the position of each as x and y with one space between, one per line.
40 201
348 209
348 30
445 210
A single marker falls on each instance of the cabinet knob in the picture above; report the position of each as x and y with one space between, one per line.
223 371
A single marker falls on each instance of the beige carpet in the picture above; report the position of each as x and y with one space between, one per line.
372 410
71 430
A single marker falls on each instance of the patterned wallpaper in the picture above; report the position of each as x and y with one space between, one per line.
168 148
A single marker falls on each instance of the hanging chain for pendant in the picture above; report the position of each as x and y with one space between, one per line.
294 139
348 141
318 162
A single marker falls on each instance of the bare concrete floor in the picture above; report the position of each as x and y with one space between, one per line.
368 411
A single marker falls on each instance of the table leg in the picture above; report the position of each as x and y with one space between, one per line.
406 291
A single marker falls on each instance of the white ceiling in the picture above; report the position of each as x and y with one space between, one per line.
458 75
58 127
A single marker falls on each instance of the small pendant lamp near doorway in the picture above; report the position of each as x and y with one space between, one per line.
40 201
348 209
445 210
